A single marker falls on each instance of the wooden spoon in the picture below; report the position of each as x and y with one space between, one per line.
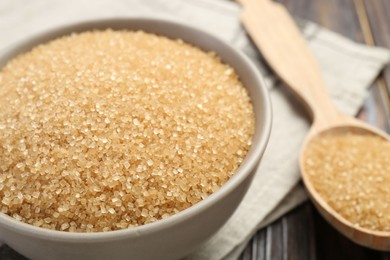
274 32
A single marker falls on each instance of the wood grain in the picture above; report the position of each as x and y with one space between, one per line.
336 15
300 243
377 21
289 239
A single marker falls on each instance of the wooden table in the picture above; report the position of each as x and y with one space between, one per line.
303 233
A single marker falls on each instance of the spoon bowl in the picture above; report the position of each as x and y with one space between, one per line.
379 240
287 53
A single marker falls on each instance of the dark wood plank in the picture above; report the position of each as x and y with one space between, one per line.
275 246
336 15
259 244
265 244
378 23
375 111
378 13
248 253
290 238
300 230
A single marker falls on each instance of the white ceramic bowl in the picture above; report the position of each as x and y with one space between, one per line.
178 235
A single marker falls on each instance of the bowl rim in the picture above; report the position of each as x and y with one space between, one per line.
250 163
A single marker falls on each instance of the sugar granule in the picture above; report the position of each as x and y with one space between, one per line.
352 173
106 130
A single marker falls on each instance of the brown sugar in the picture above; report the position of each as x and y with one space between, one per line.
352 173
106 130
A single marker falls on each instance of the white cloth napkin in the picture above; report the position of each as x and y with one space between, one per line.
348 68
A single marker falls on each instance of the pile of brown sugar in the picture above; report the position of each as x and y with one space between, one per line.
352 173
106 130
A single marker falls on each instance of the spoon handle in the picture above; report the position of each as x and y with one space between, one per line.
276 35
